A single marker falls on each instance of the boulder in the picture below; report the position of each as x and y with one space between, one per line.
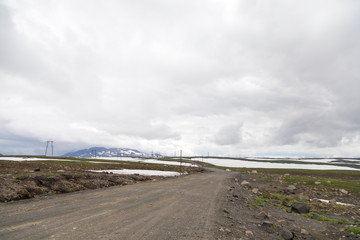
300 207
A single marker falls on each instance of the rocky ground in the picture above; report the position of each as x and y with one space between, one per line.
262 205
252 205
28 179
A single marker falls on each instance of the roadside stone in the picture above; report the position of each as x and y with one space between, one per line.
226 211
267 224
300 207
282 221
263 215
245 183
302 196
315 216
304 231
343 191
249 233
255 190
286 234
291 188
286 204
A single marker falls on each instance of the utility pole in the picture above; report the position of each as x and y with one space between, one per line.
52 147
180 162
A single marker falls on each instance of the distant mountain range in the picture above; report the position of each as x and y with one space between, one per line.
109 152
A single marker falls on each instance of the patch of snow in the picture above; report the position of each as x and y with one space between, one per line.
338 203
20 159
141 172
146 160
254 164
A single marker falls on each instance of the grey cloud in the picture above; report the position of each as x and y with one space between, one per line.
156 71
228 135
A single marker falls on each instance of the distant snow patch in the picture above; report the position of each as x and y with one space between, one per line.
141 172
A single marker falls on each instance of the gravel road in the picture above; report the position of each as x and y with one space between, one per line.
178 208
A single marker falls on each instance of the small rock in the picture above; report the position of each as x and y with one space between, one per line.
291 188
343 191
245 183
226 211
302 196
304 231
332 201
60 170
255 190
235 196
286 174
287 235
282 221
236 180
254 171
284 203
263 215
315 216
300 207
228 170
317 183
227 230
266 224
249 233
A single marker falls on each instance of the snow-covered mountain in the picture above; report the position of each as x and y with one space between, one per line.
109 152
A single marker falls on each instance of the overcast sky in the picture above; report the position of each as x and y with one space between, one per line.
235 77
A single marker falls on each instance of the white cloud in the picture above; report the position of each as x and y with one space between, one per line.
163 76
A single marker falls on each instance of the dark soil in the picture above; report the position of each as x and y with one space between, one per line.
257 210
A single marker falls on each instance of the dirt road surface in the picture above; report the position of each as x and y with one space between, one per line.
179 208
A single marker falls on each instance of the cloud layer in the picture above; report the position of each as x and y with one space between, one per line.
225 77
